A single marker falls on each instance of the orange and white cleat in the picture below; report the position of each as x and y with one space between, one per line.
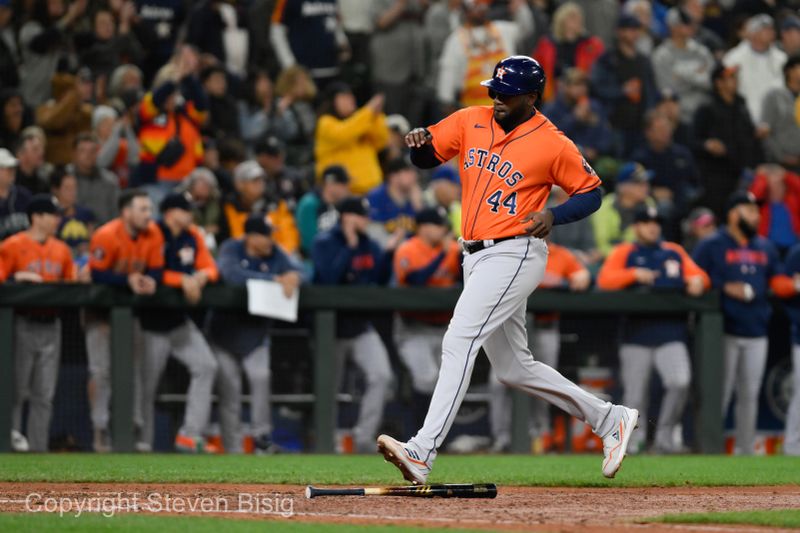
615 444
406 459
186 444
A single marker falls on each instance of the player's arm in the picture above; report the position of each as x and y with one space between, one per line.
615 275
792 268
436 144
696 279
782 285
204 264
417 277
102 254
577 274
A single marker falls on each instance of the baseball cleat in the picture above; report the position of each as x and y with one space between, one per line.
615 444
405 459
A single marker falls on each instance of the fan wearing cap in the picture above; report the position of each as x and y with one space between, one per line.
316 211
393 205
13 198
284 182
613 221
36 256
649 343
241 341
346 255
782 116
791 444
188 265
743 267
431 258
249 198
444 190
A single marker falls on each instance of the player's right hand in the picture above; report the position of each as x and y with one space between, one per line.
645 276
418 137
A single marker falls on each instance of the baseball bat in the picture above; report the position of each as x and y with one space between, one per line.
480 490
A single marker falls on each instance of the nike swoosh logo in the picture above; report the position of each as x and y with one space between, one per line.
480 126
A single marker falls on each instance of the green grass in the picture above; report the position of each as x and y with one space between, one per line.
567 470
123 523
786 518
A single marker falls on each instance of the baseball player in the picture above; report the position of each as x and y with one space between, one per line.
429 259
563 270
124 252
188 265
36 256
743 266
791 445
510 155
241 340
659 342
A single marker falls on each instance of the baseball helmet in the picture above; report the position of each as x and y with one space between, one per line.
516 75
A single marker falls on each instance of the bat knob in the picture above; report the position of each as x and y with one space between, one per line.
309 491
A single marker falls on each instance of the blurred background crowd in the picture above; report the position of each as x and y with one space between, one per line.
293 113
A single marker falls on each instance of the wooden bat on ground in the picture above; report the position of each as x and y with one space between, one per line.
480 490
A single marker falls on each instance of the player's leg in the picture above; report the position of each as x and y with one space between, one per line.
546 346
229 405
190 348
499 413
635 367
732 353
675 369
98 351
43 384
370 356
257 369
342 349
791 445
751 373
156 348
416 353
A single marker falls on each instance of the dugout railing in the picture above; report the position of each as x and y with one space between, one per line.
324 303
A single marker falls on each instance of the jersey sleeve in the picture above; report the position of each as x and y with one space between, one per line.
102 250
402 262
69 273
572 264
155 254
571 172
614 275
204 261
447 135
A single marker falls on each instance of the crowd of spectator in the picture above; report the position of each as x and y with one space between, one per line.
293 113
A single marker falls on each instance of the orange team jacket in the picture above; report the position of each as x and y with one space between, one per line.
113 251
507 176
187 254
52 259
561 265
414 255
670 260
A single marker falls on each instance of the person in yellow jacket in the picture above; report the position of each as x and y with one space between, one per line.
351 137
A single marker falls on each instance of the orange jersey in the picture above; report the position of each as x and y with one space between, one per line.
52 259
561 265
113 250
414 254
674 266
507 176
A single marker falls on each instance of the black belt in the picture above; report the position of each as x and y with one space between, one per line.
471 247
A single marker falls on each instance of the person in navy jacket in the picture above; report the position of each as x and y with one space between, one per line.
791 444
743 267
654 342
240 340
345 255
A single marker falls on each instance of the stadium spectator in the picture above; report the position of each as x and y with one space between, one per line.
202 187
580 117
241 341
699 224
125 252
43 41
725 140
359 26
790 36
16 116
759 63
33 172
600 17
351 137
110 44
13 198
397 56
778 193
565 272
393 205
567 47
161 22
654 342
223 109
642 10
119 146
64 118
345 255
284 182
250 198
578 237
97 187
444 190
700 32
669 105
441 19
791 443
36 256
262 114
474 48
431 258
77 222
682 64
170 120
743 267
782 144
217 28
316 211
622 79
396 145
9 50
188 265
125 84
296 87
313 38
612 223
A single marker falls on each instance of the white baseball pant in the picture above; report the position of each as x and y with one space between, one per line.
671 361
188 346
546 346
791 445
745 361
37 353
229 386
491 313
420 348
370 356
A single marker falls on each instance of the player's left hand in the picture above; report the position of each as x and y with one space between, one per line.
541 222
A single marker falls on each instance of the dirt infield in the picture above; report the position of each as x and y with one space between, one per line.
515 508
